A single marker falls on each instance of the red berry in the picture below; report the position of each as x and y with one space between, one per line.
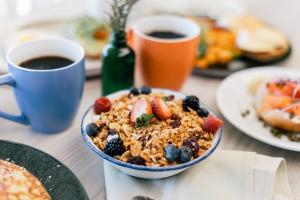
160 108
139 108
212 124
102 104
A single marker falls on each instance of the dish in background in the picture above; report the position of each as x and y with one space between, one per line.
232 43
256 40
236 102
217 45
92 34
59 181
44 30
148 172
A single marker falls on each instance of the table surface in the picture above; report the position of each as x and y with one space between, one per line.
69 147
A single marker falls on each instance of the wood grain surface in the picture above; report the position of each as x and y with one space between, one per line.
69 147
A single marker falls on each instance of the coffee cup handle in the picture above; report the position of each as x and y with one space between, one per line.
7 79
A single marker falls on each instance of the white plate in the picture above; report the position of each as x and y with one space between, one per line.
40 31
234 97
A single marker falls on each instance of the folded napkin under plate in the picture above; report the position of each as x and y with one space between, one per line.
232 175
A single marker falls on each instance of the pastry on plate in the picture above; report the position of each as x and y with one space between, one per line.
277 102
93 35
18 183
263 44
217 44
255 39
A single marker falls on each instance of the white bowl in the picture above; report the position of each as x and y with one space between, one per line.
144 171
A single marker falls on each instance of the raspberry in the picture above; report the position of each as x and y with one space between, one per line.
136 160
192 143
114 147
102 104
212 124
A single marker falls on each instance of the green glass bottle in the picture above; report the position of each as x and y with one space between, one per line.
118 62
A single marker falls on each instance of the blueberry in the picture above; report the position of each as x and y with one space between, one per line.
145 90
202 112
134 91
92 129
185 154
171 152
190 102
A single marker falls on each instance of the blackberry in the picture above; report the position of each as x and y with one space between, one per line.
92 129
191 102
134 91
192 143
145 90
111 134
114 147
202 112
136 160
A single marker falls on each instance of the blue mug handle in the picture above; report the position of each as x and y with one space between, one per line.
7 79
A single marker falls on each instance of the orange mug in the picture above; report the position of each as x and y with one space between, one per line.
164 62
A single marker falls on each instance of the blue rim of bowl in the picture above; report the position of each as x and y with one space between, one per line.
146 168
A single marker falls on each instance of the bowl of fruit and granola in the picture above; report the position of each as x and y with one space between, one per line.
151 133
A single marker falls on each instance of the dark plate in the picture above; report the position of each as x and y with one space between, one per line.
59 181
236 65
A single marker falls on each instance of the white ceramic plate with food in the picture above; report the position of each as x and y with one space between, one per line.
236 102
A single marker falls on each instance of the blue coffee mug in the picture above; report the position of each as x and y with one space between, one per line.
48 99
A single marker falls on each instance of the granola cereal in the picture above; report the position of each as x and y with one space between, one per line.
141 126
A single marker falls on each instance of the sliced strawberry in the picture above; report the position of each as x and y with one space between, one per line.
140 107
160 108
102 104
212 124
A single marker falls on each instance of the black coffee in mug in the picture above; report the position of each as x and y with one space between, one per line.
46 63
166 34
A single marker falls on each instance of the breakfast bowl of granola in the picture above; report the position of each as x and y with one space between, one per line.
151 133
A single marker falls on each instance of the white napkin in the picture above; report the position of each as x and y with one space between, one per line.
232 175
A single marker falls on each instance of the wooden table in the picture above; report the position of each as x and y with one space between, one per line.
69 147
